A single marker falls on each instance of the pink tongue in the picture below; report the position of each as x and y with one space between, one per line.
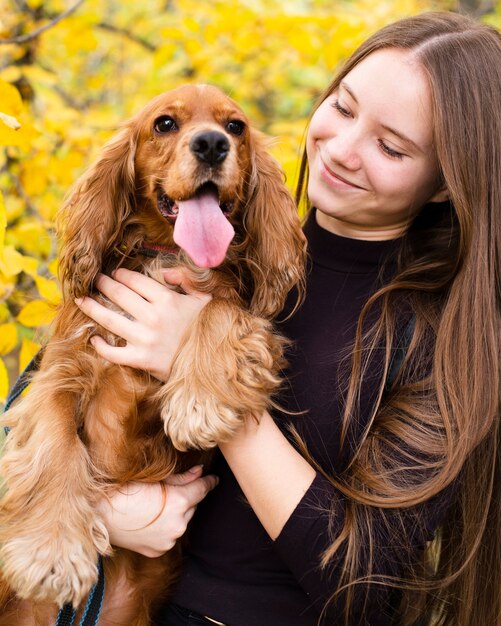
202 230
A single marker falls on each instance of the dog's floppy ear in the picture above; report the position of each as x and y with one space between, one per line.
92 219
276 247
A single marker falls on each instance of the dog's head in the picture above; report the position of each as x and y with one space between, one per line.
187 171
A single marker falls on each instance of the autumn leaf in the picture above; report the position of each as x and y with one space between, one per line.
3 223
13 131
36 313
48 289
8 337
10 121
13 262
4 382
28 350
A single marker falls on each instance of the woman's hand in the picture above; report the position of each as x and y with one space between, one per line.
150 518
160 317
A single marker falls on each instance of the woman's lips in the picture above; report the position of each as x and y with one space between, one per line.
334 179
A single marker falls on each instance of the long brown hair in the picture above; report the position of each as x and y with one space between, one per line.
437 428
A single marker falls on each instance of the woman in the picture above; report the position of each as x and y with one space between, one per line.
394 379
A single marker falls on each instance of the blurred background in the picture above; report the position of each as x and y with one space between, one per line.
71 71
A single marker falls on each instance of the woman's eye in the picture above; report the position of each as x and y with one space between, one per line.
337 105
235 127
389 151
165 124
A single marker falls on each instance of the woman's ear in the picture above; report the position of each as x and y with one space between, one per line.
92 219
275 245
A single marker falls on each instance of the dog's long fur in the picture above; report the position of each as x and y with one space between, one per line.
87 425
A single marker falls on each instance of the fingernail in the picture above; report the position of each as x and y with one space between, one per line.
78 301
195 469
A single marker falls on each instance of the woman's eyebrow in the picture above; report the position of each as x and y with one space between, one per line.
390 129
348 89
403 137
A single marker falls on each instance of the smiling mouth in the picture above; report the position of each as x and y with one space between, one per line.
169 208
340 178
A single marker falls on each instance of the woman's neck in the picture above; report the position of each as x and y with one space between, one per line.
355 231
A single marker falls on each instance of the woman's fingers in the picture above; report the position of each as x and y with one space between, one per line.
115 322
144 286
120 294
180 277
160 318
184 478
196 491
120 355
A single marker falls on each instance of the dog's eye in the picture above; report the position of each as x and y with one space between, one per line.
165 124
235 127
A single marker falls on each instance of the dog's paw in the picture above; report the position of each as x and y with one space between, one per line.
58 567
226 370
196 422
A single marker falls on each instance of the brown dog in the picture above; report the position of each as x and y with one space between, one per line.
189 178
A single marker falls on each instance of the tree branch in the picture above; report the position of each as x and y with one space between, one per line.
126 33
34 34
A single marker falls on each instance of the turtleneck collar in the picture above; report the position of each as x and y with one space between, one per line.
344 254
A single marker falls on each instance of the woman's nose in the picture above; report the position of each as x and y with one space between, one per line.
344 148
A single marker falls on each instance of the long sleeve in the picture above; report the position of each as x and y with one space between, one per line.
398 540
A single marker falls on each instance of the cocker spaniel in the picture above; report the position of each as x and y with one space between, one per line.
188 181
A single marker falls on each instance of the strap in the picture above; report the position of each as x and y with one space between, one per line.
90 617
66 616
95 601
24 379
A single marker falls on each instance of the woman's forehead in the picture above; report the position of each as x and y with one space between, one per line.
391 86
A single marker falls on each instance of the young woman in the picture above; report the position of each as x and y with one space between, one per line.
381 505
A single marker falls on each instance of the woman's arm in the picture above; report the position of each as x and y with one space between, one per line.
272 474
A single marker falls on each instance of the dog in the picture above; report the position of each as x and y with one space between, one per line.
189 181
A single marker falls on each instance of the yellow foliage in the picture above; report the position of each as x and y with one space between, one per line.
12 107
11 74
8 337
31 236
53 267
36 313
48 290
3 223
13 262
15 128
4 382
28 351
4 312
9 121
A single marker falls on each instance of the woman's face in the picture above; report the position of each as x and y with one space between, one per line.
372 162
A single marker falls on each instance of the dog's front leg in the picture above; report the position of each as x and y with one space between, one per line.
226 369
50 535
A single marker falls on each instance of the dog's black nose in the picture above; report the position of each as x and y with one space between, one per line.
210 146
